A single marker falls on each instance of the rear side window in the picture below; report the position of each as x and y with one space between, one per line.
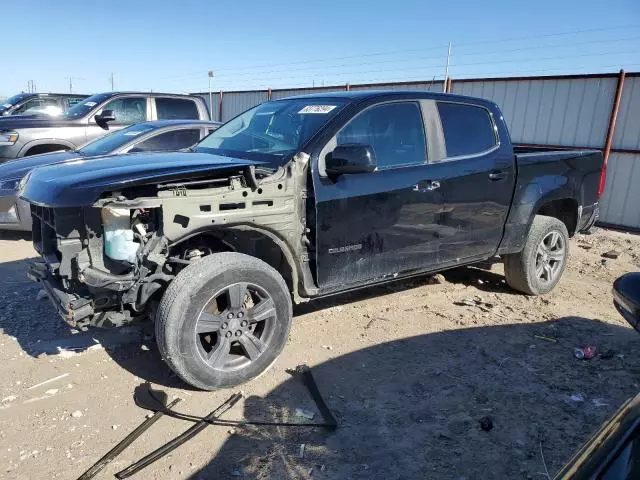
169 141
394 130
468 130
176 109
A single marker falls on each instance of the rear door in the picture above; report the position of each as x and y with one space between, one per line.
477 177
376 224
171 108
168 141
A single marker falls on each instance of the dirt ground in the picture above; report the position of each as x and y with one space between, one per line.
409 370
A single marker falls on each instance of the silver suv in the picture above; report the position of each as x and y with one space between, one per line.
92 118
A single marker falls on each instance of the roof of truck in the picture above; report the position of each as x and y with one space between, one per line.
357 95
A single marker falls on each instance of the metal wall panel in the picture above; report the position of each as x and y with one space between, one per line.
435 86
216 104
234 103
620 204
627 133
554 111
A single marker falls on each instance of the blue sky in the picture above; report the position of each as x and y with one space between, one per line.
169 46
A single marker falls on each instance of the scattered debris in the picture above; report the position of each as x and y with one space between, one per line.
607 354
52 391
42 295
437 279
548 339
48 381
323 468
586 246
586 352
486 424
598 402
374 320
302 413
612 254
76 414
231 431
114 427
10 398
301 450
577 397
236 472
144 348
327 347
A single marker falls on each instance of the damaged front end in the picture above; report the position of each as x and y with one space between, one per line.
107 264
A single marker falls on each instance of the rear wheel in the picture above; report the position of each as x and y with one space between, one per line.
538 267
223 320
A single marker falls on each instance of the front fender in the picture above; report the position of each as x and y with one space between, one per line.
65 144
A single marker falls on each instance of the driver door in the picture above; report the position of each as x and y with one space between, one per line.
371 225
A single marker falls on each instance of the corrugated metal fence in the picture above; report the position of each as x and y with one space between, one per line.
560 111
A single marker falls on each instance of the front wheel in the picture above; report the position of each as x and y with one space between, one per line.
538 267
223 320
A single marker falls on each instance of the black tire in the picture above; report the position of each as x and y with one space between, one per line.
522 270
187 301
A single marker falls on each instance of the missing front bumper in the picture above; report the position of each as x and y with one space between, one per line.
74 310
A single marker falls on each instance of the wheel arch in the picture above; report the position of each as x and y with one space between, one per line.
256 242
43 143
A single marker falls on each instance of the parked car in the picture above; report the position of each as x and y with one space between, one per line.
90 119
156 136
296 199
39 103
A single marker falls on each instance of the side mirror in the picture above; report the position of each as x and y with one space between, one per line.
350 159
105 117
626 298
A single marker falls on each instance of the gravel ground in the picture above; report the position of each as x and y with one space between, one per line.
409 369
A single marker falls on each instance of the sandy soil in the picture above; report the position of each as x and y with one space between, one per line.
409 370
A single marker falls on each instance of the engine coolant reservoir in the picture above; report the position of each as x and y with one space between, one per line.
118 236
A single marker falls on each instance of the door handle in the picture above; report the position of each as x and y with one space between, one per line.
496 175
427 186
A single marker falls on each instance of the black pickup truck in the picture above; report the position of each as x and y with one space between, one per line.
296 199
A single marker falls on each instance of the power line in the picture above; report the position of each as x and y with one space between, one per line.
434 66
394 52
440 57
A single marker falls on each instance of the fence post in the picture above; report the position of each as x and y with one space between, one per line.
220 108
347 87
268 94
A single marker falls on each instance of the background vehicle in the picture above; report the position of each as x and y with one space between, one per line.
90 119
300 197
39 103
159 135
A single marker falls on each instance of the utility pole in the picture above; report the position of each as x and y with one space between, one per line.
210 73
70 84
112 82
446 69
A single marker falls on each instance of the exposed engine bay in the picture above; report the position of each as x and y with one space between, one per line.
108 263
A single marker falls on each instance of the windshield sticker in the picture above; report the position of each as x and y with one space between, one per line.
90 104
134 133
7 105
322 109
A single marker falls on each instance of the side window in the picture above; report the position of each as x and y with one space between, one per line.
176 108
468 130
35 103
169 141
128 110
71 101
394 130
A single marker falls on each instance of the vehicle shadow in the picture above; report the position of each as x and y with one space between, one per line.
412 408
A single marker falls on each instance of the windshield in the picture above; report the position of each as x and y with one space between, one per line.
273 131
113 141
11 101
83 107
